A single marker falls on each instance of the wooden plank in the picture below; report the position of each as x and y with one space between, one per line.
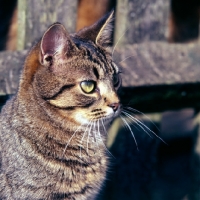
34 17
159 76
159 63
141 20
10 67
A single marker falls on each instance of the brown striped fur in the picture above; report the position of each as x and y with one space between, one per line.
43 151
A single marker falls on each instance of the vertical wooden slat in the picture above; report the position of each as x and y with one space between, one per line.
121 25
36 16
141 20
21 24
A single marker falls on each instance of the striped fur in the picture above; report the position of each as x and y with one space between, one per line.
51 132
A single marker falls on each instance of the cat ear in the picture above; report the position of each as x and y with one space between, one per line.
101 32
55 42
105 35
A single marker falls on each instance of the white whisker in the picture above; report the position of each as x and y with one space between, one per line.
147 128
89 136
118 42
134 110
125 122
135 120
84 136
70 139
104 127
102 139
96 139
85 131
93 136
125 59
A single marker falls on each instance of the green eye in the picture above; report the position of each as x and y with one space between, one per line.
88 86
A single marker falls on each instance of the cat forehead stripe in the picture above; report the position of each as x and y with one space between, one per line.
97 56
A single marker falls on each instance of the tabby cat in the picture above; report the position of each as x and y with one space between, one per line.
53 131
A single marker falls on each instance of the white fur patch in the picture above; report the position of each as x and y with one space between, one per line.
104 89
81 119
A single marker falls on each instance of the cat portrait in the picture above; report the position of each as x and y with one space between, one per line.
53 131
71 131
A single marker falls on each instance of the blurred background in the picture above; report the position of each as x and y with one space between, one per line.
156 32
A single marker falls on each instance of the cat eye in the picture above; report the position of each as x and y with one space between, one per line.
116 80
88 86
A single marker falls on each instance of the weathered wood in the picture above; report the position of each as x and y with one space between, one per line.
34 17
141 20
10 67
156 76
159 63
160 76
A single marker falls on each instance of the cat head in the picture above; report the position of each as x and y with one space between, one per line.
73 75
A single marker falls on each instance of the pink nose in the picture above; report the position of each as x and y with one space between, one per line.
114 106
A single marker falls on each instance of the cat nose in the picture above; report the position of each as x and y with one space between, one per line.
114 106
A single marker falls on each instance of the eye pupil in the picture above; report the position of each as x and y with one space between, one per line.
88 86
115 80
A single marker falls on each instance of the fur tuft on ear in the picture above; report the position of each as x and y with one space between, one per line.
101 33
105 35
55 42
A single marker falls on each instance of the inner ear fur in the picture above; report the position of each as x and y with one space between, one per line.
101 33
55 42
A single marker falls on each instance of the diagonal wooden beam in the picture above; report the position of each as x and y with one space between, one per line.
156 76
159 63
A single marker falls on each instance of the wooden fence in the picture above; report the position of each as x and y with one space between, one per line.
157 75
